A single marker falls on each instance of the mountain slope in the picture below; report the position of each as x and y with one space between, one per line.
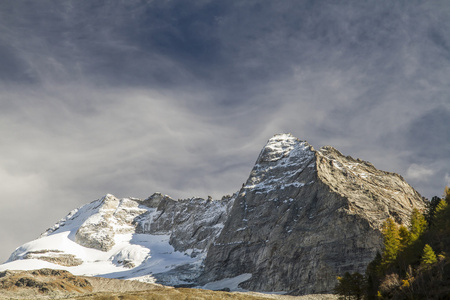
128 238
302 218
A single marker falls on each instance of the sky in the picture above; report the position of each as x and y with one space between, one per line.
179 97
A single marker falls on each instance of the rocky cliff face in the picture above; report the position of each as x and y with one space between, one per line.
304 217
193 224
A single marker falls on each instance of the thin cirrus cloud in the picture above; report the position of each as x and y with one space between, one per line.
138 96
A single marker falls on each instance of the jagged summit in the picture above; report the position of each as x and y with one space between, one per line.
280 146
280 164
303 217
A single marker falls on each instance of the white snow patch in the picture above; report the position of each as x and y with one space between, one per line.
230 283
294 184
145 278
283 154
351 166
149 254
134 254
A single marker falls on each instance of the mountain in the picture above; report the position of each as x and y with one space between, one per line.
157 239
303 217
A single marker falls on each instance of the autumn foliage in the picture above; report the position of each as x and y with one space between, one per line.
413 263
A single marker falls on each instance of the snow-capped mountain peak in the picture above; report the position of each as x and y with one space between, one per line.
302 218
279 164
125 238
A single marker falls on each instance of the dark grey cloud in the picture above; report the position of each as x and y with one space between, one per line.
133 97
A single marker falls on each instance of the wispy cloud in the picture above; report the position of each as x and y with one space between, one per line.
136 97
416 171
447 179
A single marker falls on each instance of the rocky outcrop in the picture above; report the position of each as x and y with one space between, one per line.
48 282
193 224
108 217
304 217
55 256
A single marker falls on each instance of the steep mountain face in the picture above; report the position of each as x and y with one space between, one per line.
302 218
305 216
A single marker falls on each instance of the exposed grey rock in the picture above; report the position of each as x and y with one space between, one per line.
98 235
108 216
55 256
191 223
304 217
154 200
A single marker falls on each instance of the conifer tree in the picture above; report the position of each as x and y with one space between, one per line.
418 225
350 286
405 237
431 210
440 215
391 241
428 256
447 194
441 230
343 288
408 252
441 206
373 276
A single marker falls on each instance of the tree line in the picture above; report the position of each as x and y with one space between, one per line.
414 262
